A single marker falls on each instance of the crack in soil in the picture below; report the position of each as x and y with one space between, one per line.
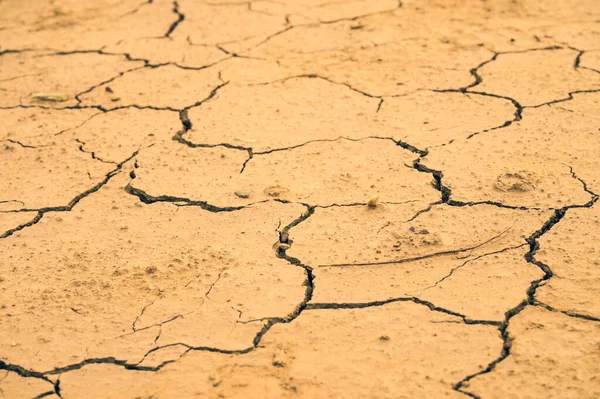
566 312
315 76
92 153
469 261
427 256
180 19
475 71
180 201
533 242
431 306
32 374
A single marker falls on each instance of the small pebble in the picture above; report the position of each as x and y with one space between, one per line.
242 193
372 202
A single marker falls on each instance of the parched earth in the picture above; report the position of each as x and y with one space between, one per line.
285 198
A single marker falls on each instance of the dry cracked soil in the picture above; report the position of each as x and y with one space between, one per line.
299 198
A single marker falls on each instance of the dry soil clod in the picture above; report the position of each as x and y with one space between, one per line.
53 96
373 202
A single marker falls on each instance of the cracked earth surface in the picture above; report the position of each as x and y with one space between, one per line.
280 198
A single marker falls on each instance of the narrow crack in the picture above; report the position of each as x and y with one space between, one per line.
187 125
157 348
281 248
137 318
419 213
45 394
140 107
180 19
16 51
181 201
447 276
560 100
147 63
23 145
351 204
593 195
33 221
68 107
92 153
135 10
207 293
399 4
9 201
577 63
339 138
437 179
271 36
100 51
431 306
475 71
566 312
427 256
496 204
77 96
315 76
518 115
158 324
78 126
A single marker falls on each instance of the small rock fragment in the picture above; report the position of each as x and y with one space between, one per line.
150 270
242 193
50 96
215 379
281 247
373 201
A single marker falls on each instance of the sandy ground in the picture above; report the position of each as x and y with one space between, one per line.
299 198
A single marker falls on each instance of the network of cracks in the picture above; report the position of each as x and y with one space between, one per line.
280 198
